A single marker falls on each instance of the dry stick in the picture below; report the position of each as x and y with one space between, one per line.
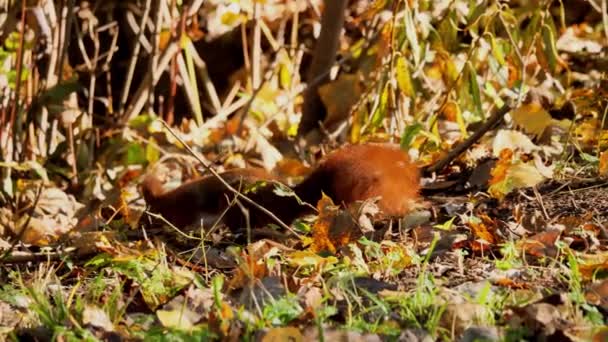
25 225
66 39
20 52
150 79
26 257
134 56
153 59
228 186
604 12
455 152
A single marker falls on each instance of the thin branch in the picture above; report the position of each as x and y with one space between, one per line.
455 152
134 56
20 52
30 214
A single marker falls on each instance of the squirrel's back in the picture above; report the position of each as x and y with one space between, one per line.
359 172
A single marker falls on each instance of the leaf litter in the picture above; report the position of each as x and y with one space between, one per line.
509 242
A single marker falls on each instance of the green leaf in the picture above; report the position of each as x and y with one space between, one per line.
380 112
448 32
550 48
474 88
136 154
447 225
531 31
476 10
409 134
497 50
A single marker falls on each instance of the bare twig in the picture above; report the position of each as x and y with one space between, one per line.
20 52
27 257
66 34
25 225
201 67
256 48
141 94
604 17
455 152
134 56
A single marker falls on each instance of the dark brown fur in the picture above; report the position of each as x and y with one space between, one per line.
352 173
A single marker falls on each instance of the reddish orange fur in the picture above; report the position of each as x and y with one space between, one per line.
352 173
359 172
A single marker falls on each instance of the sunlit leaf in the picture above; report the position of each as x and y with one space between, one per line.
381 110
152 151
514 141
603 168
174 319
404 79
550 49
309 259
497 50
509 174
283 334
135 154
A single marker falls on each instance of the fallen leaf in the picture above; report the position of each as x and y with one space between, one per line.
514 141
97 317
509 174
541 244
285 334
174 319
340 96
603 164
597 294
532 117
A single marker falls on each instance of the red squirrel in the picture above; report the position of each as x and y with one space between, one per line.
349 174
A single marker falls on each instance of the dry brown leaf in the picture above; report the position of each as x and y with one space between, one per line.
597 294
320 230
541 244
484 230
340 96
95 316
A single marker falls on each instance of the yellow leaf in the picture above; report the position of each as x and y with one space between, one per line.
174 319
532 117
404 79
508 175
308 258
285 334
604 163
